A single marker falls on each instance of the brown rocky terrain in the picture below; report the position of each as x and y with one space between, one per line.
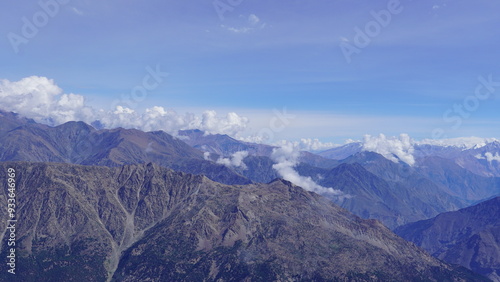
148 223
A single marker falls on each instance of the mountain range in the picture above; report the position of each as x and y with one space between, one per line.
469 237
80 143
402 193
438 182
68 161
480 158
148 223
436 172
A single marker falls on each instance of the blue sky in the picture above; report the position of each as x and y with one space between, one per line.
265 55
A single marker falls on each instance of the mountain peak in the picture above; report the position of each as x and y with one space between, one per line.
76 125
283 182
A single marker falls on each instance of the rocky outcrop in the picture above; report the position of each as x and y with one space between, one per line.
148 223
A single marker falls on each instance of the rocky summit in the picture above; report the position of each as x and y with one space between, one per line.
148 223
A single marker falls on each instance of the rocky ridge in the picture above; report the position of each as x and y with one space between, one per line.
140 222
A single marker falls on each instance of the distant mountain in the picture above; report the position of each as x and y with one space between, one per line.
10 121
80 143
342 152
458 181
482 159
224 145
422 196
145 222
374 197
473 158
317 161
402 193
258 169
476 160
469 237
388 194
446 152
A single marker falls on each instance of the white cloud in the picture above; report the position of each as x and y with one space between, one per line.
286 158
308 144
393 148
255 138
238 30
76 11
212 124
253 19
349 141
252 23
344 39
149 148
206 156
157 118
437 7
236 160
41 99
489 157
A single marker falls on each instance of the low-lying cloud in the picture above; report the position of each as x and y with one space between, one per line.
286 158
393 148
206 156
489 157
236 160
41 99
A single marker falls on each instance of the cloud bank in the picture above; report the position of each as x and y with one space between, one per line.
41 99
286 158
392 148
